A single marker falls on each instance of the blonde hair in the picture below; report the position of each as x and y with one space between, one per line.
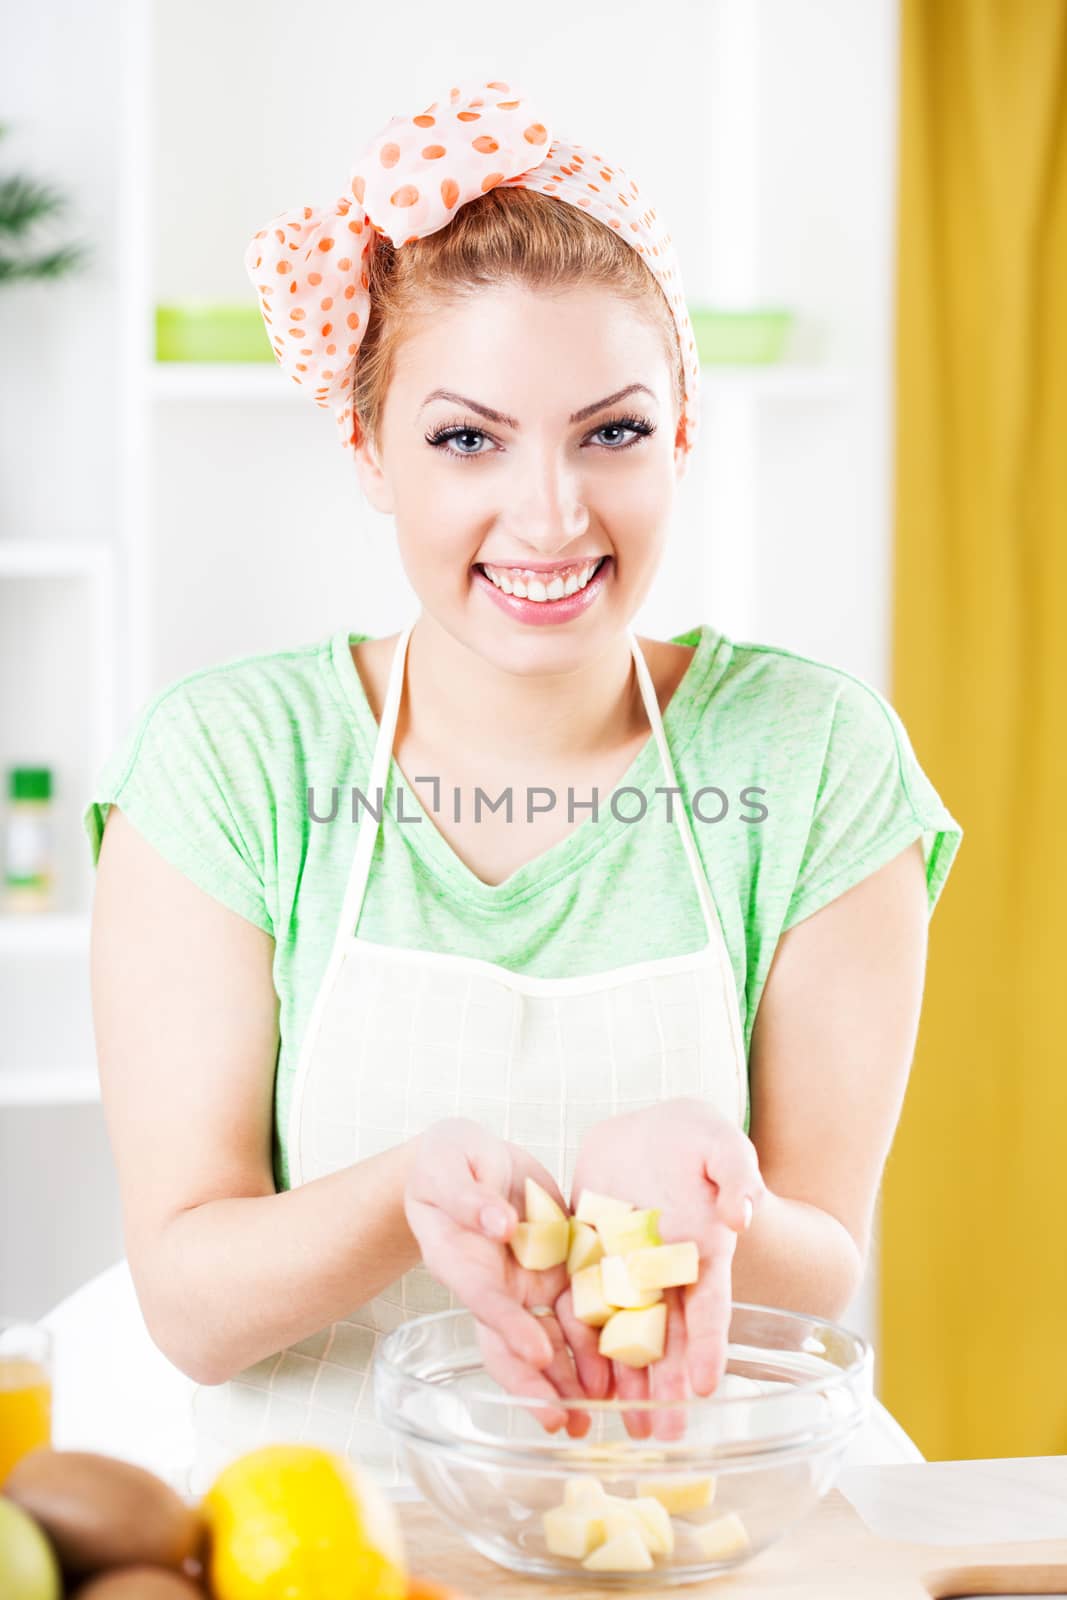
507 234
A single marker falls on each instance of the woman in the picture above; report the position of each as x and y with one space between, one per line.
346 1001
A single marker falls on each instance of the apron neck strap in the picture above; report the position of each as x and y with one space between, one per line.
383 750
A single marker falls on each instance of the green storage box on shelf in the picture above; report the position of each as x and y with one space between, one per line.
200 331
740 338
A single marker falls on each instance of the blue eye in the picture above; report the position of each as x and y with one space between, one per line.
637 427
439 439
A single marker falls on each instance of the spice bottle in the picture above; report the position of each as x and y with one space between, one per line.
28 841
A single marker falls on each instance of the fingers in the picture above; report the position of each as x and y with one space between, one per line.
732 1167
525 1335
708 1305
518 1378
474 1269
594 1370
561 1372
466 1172
631 1383
668 1378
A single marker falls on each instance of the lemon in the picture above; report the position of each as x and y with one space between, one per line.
295 1522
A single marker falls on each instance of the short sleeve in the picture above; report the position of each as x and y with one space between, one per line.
873 800
178 775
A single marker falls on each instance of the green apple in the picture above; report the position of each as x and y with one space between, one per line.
540 1245
663 1266
597 1208
28 1566
635 1338
587 1296
624 1552
540 1206
637 1230
585 1246
620 1290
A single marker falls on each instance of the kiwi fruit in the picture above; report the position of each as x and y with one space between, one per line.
100 1512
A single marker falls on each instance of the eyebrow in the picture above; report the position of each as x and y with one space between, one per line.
510 422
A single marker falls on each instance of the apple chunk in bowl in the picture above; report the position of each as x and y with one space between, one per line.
748 1463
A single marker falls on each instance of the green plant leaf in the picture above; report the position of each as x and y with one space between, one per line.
23 202
54 264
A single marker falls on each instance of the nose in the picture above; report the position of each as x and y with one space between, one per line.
545 507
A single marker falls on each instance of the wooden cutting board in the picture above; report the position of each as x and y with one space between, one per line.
832 1555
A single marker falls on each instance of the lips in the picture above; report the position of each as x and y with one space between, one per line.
544 611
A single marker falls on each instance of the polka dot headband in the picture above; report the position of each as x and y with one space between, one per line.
309 265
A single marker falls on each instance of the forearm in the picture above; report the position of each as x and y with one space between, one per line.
232 1281
798 1258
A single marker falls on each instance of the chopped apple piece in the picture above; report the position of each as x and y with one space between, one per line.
659 1532
619 1515
635 1337
626 1552
597 1208
723 1538
540 1206
584 1494
587 1296
540 1245
663 1266
620 1289
637 1230
572 1533
585 1248
678 1494
622 1451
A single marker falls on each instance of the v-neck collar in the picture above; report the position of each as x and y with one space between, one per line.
568 854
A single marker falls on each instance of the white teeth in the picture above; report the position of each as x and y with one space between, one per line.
534 588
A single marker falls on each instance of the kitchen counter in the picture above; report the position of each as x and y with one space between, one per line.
115 1392
888 1533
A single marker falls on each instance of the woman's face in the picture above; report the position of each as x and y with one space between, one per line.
535 434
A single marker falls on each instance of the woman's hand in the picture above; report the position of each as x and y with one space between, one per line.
463 1198
702 1173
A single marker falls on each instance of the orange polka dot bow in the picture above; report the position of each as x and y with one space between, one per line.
309 268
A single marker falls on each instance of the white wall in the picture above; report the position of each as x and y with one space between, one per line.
59 479
258 107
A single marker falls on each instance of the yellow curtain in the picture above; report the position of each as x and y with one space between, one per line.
973 1337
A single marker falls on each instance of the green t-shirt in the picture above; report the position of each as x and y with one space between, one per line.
215 772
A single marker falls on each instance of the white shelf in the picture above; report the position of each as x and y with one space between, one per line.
74 1087
262 380
44 932
53 558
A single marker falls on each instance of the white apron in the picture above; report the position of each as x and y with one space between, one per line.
399 1038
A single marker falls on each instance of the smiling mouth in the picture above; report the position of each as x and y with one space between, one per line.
534 584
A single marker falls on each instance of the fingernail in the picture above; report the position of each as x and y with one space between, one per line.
748 1215
494 1220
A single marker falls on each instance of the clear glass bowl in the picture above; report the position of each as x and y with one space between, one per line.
770 1439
